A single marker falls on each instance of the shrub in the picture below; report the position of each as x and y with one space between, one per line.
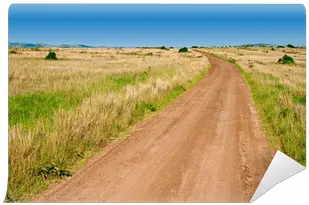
280 46
231 60
272 49
35 49
290 46
286 60
51 56
194 47
12 52
184 49
149 54
251 64
164 48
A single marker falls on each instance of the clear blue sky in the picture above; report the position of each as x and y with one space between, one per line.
156 25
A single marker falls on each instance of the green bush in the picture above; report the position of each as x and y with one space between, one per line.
194 47
290 46
12 52
51 56
286 60
184 49
280 46
163 48
231 60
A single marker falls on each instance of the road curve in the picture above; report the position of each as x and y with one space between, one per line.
208 146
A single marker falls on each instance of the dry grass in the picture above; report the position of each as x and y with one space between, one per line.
30 72
82 102
267 62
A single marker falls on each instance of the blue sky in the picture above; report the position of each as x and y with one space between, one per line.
155 25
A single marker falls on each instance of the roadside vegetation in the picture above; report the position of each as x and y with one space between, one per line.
280 99
63 112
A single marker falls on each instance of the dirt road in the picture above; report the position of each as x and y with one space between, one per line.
208 146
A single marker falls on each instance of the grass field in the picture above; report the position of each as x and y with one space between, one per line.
279 92
63 111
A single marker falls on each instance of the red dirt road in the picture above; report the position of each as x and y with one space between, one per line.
208 146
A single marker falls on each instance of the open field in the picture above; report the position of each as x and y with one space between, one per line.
207 145
264 60
62 111
279 92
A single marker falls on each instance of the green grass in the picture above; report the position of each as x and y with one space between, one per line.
26 109
283 120
299 99
231 60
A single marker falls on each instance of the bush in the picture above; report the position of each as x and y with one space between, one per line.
12 52
231 60
272 49
194 47
184 49
280 46
251 64
286 60
290 46
164 48
149 54
51 56
35 49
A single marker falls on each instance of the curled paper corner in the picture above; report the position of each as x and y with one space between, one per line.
280 168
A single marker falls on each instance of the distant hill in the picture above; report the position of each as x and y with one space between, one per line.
267 45
260 45
42 45
75 46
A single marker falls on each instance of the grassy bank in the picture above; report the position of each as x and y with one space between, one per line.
282 111
54 131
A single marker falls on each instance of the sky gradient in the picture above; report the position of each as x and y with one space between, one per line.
156 25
